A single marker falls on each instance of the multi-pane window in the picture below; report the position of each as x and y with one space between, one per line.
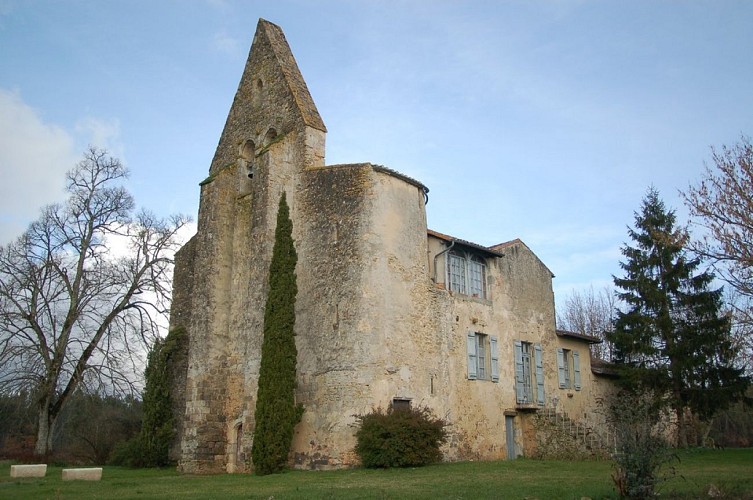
483 362
568 369
529 373
457 273
477 278
466 274
481 341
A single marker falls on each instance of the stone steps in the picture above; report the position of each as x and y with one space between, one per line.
600 441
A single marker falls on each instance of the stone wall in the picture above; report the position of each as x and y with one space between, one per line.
554 441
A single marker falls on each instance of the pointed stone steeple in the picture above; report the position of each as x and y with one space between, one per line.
275 38
272 95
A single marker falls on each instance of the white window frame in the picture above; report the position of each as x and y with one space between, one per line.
456 272
476 277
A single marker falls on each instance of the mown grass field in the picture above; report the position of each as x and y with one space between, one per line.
731 471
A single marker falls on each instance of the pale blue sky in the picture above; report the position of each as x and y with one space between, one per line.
540 120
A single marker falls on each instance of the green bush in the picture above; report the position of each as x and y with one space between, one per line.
128 453
407 437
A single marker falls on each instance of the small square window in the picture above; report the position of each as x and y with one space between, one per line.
400 404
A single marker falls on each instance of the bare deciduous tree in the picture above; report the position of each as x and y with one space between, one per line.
590 313
72 311
740 310
723 204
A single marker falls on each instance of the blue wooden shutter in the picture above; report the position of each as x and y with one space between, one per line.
561 367
494 358
519 378
470 343
576 370
539 374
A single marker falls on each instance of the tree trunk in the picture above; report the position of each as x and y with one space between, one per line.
682 431
45 425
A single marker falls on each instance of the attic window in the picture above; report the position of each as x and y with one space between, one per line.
466 274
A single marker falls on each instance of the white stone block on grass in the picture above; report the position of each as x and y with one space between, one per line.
31 470
85 474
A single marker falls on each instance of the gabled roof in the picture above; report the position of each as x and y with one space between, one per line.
499 247
465 243
507 244
293 77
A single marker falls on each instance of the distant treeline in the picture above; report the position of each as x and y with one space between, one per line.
89 429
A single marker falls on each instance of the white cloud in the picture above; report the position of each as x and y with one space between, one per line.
118 246
103 134
34 157
226 44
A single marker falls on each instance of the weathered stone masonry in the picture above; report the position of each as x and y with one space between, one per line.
381 312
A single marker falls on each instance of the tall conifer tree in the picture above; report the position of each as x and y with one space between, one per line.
157 423
672 337
276 412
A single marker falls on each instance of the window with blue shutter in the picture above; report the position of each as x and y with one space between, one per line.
494 358
519 376
483 357
537 353
471 346
561 368
576 370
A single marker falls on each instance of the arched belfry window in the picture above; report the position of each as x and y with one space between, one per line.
247 159
270 136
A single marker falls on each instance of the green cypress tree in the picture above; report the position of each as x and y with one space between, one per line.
157 424
276 412
672 337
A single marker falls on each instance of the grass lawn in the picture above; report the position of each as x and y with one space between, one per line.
730 470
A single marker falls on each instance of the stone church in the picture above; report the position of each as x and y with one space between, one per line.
388 311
